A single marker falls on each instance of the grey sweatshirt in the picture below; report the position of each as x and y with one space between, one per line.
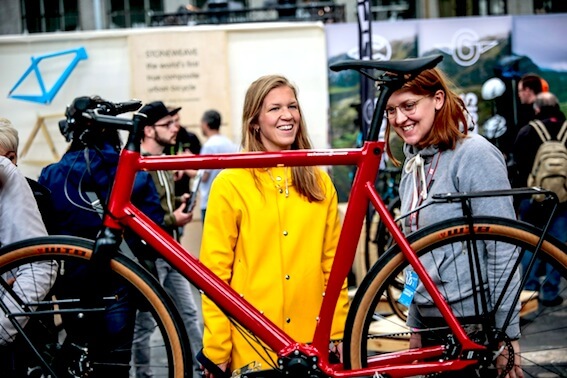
474 165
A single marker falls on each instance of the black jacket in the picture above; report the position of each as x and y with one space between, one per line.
528 142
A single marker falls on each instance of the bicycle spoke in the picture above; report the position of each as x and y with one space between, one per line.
543 329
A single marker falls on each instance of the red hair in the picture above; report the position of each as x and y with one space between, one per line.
450 122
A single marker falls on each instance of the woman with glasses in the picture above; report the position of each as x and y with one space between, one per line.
441 156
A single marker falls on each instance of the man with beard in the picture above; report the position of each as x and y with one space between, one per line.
160 133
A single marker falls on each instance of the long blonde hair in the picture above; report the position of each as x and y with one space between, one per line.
305 179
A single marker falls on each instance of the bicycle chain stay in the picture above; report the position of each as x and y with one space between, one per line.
484 357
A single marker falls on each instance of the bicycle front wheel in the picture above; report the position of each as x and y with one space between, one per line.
73 327
377 328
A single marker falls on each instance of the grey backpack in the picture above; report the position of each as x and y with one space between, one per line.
550 164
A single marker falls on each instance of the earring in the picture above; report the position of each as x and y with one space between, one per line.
256 129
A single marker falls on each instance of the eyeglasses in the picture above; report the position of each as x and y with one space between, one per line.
167 124
407 108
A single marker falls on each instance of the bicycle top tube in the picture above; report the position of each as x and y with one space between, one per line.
389 75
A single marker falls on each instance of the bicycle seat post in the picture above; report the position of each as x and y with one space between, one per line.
386 90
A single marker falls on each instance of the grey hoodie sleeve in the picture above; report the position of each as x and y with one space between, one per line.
20 219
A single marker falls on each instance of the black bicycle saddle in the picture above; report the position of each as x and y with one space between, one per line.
399 67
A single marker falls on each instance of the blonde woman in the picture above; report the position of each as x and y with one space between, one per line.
280 229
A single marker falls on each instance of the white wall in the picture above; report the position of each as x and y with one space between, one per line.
295 50
289 50
105 73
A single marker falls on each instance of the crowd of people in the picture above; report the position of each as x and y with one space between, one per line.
260 221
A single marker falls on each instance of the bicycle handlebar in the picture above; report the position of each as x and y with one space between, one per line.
86 112
109 120
83 103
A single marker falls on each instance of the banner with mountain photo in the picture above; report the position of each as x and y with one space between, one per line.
475 50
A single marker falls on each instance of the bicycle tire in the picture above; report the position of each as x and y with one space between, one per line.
543 336
49 329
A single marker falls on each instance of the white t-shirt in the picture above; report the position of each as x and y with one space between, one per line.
216 144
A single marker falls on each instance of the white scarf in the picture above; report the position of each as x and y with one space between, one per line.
416 167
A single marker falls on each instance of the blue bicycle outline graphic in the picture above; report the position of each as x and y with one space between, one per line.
48 95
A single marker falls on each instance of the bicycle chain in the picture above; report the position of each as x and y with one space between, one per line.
390 335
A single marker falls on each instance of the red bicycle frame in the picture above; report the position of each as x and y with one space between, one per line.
122 213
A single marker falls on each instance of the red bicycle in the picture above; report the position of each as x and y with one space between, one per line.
375 341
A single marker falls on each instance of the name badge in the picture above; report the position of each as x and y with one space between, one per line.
409 288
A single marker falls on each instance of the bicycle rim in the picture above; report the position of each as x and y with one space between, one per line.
70 337
377 329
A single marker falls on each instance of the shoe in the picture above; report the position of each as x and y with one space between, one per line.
553 302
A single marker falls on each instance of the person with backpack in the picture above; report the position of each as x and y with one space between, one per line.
541 156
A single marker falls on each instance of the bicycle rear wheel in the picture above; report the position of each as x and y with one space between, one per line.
75 332
378 329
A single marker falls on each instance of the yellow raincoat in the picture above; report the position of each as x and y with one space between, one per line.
276 250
